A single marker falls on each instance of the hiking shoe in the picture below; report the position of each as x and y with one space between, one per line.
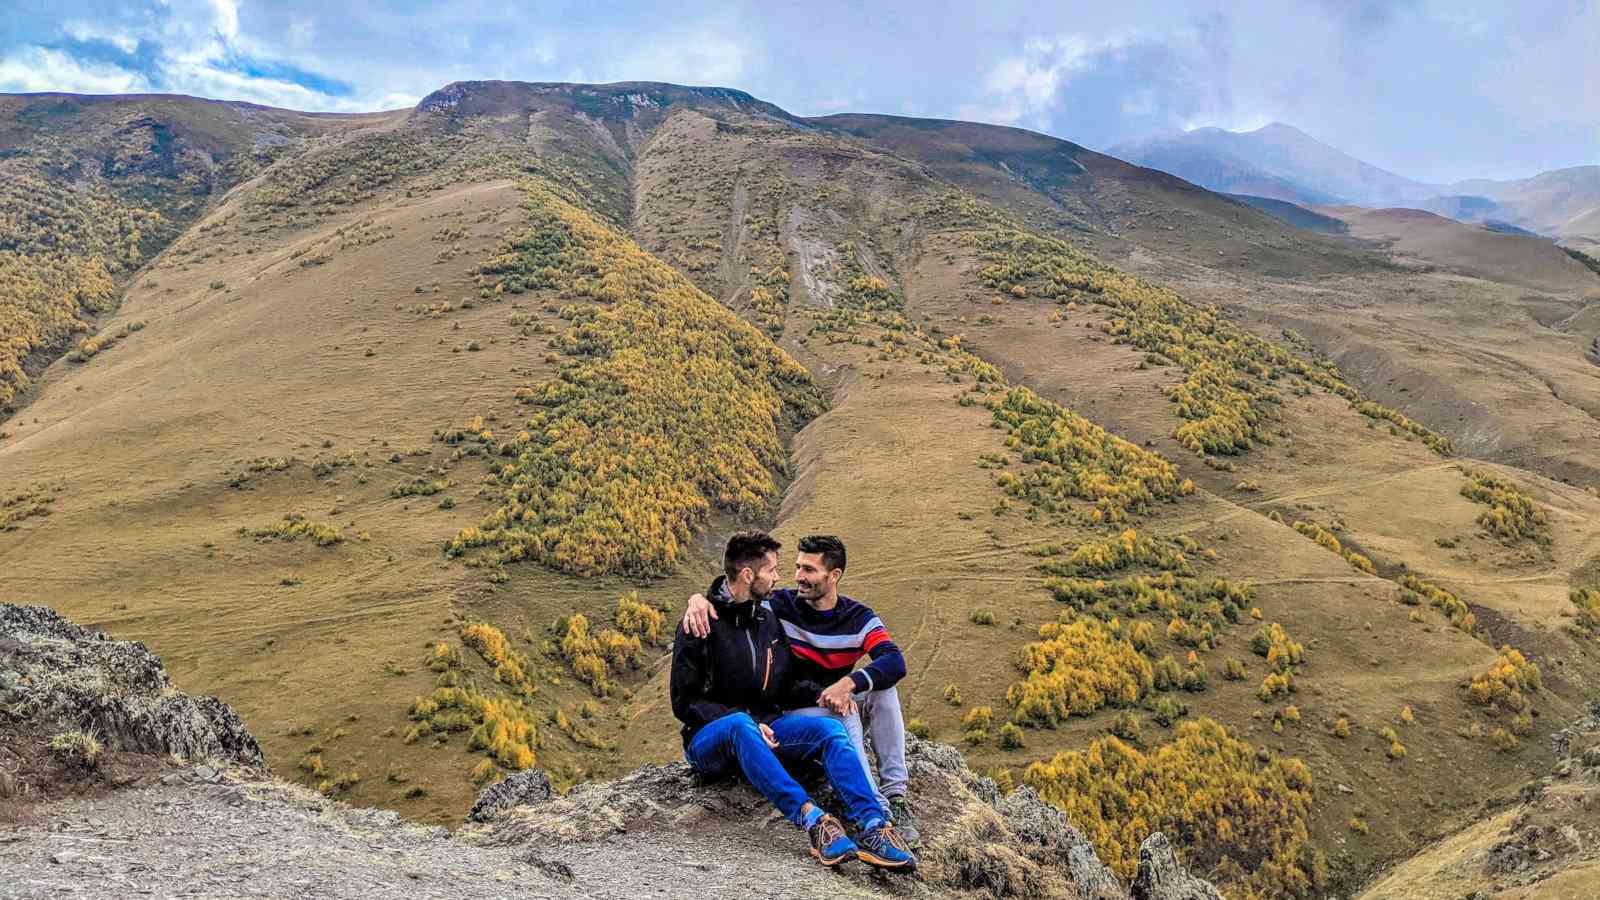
885 848
905 821
829 844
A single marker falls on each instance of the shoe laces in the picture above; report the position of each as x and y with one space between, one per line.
892 837
827 830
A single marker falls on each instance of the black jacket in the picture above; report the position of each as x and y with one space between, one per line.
743 665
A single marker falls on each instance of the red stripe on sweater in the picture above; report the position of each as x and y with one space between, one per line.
842 659
875 637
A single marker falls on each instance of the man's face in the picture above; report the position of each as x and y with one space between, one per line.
810 578
765 577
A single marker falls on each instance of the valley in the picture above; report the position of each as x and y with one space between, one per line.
433 419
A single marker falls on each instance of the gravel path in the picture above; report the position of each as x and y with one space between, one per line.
190 836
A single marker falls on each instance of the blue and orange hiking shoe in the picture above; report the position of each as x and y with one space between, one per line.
829 844
883 847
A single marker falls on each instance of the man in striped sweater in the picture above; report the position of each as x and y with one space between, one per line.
828 635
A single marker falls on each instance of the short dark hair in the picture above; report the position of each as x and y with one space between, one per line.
831 548
747 548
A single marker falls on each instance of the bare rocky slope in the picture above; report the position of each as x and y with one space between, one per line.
1543 846
198 815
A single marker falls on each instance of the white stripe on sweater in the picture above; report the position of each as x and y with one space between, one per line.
832 641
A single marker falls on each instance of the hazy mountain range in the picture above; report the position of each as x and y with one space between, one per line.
1281 162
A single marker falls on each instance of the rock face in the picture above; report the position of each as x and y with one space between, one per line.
974 839
660 828
1162 877
57 676
522 789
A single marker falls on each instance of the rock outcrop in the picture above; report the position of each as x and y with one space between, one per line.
56 676
1161 877
975 840
227 828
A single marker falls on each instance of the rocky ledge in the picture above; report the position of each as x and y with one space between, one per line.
203 818
80 710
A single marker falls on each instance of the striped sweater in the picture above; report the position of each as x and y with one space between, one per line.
827 645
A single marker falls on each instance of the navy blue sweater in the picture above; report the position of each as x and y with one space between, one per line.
827 645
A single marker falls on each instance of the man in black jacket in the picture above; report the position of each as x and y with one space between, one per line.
731 689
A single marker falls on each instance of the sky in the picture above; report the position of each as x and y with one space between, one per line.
1436 91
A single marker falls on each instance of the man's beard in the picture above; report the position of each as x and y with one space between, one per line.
761 593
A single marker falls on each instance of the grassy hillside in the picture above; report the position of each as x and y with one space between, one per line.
429 426
93 187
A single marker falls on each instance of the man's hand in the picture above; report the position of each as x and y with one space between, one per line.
839 697
768 736
697 618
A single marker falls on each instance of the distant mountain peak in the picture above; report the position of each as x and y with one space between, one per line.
1278 161
1272 129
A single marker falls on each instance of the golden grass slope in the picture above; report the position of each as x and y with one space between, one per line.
671 406
93 187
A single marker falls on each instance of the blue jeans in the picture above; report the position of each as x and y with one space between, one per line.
881 710
733 743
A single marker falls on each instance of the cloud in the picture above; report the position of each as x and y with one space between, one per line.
86 33
37 69
1025 87
1098 90
1552 78
183 46
1366 16
1504 89
699 56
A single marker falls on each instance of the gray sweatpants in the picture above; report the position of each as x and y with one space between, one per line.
881 710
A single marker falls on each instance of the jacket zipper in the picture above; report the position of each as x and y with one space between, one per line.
768 674
752 642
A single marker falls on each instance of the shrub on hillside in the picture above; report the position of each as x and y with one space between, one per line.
1207 789
1325 539
1120 551
1507 684
1168 710
639 619
1066 457
1587 601
1281 652
1076 668
1126 726
668 406
1452 606
1204 604
1512 515
1226 401
295 525
1011 737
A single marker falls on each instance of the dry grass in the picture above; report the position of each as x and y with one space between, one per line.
80 747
